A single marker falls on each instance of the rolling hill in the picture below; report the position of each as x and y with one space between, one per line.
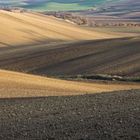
24 28
35 47
109 56
14 84
43 45
34 43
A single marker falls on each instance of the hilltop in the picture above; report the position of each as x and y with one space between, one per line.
21 28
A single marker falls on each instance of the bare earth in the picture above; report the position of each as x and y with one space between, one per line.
110 56
109 116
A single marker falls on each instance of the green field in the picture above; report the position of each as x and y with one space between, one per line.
55 5
60 6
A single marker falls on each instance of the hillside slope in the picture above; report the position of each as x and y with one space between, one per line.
24 28
14 84
110 56
35 43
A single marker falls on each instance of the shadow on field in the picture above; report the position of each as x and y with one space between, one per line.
109 56
38 42
100 116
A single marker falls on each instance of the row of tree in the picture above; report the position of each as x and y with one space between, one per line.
84 20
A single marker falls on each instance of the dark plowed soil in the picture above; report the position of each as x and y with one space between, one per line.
110 116
111 56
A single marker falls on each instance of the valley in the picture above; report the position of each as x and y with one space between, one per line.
60 80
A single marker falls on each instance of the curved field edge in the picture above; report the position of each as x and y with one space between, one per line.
13 84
